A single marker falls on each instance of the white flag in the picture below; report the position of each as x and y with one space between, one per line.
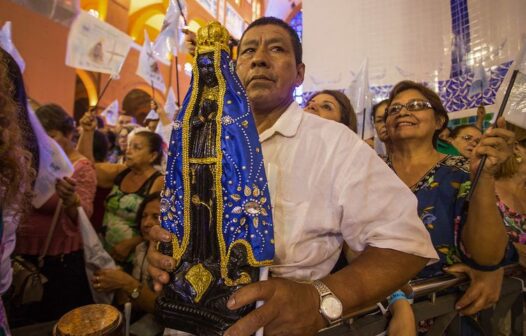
147 68
94 45
480 81
7 44
361 100
152 115
170 107
111 113
171 37
53 163
515 111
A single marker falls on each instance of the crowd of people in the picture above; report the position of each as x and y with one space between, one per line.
381 219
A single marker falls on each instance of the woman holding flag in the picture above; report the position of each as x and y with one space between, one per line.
469 237
130 182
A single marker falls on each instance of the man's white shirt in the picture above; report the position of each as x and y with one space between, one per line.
327 186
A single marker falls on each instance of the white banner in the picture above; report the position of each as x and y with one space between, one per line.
95 256
53 163
171 107
171 38
7 44
111 113
147 68
94 45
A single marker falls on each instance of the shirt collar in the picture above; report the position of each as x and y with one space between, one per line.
287 124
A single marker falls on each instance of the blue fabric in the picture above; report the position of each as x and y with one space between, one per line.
442 207
247 217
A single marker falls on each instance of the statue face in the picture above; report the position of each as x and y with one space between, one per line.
207 74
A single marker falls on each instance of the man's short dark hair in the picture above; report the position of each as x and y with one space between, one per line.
269 20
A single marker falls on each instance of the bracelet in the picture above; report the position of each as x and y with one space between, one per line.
399 295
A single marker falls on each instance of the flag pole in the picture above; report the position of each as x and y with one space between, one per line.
181 12
501 112
176 59
363 124
102 94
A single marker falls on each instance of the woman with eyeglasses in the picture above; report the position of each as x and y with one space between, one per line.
465 138
474 235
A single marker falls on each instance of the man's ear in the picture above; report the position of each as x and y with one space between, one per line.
300 74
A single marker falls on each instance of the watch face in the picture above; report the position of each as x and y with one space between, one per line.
331 307
135 294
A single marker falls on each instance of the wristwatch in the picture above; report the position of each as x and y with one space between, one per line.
134 295
331 307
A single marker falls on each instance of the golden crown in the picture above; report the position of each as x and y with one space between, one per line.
212 36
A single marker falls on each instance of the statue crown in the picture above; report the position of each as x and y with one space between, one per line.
212 36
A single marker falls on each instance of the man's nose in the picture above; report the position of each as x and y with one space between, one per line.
260 58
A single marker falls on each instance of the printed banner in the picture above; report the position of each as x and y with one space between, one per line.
94 45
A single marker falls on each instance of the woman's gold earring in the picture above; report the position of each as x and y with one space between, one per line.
518 158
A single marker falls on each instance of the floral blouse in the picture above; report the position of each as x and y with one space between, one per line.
515 223
441 195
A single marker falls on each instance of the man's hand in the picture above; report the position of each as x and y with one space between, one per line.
289 308
190 41
483 292
158 263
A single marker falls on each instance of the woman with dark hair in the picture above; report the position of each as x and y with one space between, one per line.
474 234
130 183
377 116
465 138
64 261
15 177
138 286
332 105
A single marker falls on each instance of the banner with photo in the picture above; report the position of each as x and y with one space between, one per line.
94 45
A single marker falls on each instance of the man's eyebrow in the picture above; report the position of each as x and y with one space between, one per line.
255 42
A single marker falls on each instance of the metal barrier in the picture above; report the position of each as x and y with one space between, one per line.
430 304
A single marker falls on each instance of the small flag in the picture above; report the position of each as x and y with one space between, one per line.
94 45
7 44
361 100
53 163
515 111
147 68
111 113
170 107
152 115
480 81
170 38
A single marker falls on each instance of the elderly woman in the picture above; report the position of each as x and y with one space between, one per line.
64 261
332 105
465 138
472 235
130 183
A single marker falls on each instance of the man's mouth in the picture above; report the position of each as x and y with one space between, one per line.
260 78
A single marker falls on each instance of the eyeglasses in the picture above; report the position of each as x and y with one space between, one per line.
469 138
413 105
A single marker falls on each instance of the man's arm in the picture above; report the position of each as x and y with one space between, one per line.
293 308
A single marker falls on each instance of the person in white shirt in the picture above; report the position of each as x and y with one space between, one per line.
327 187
